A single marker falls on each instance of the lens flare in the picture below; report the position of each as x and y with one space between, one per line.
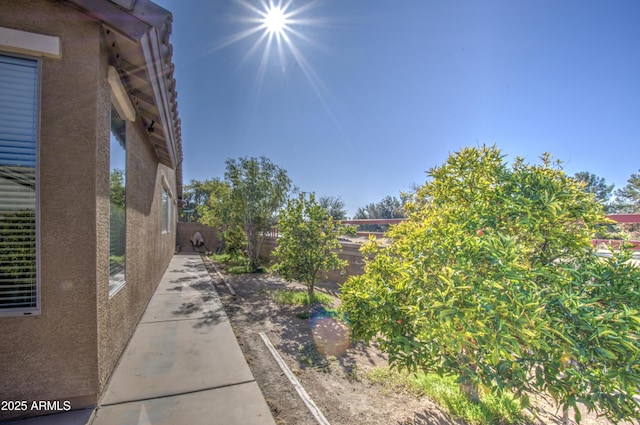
330 335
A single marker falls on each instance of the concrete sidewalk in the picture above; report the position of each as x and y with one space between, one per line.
183 364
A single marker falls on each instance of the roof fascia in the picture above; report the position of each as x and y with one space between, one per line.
133 23
151 48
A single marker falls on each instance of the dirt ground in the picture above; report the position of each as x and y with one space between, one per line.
330 368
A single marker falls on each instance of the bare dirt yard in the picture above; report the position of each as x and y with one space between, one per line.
332 370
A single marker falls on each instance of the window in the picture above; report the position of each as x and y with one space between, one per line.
18 178
166 210
117 203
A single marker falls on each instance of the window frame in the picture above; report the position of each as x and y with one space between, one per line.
37 309
122 105
113 290
166 210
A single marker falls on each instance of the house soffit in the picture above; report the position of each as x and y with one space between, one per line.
137 35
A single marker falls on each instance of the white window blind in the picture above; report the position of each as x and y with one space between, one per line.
18 133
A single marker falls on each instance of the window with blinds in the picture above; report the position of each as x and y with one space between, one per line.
18 201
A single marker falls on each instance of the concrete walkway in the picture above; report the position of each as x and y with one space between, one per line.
183 364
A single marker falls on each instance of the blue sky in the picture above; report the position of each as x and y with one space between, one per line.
377 92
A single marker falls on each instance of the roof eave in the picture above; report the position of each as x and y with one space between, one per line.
144 62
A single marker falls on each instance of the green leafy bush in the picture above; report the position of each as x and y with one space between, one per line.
493 278
235 241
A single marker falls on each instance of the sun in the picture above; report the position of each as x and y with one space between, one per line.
275 20
275 26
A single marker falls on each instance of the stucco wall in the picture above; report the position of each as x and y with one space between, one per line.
53 356
69 351
148 249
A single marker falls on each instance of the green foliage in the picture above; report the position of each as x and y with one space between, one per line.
493 278
117 220
349 230
234 240
301 298
628 197
308 242
115 260
334 206
217 208
196 196
235 263
117 189
388 207
17 255
253 191
221 258
444 390
241 268
596 186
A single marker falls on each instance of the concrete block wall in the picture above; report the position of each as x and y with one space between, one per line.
349 252
186 230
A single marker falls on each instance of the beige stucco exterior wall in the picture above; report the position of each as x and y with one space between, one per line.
69 350
53 356
148 250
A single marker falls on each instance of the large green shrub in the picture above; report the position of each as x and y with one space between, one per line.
492 277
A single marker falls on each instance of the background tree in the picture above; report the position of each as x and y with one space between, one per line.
195 195
492 277
628 197
253 191
334 206
117 189
220 212
597 186
388 207
307 243
117 218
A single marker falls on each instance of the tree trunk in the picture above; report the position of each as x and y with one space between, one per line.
470 389
310 288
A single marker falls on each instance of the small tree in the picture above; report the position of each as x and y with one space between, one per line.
307 243
493 277
253 191
259 188
218 211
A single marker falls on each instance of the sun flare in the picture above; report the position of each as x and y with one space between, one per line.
275 28
275 20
